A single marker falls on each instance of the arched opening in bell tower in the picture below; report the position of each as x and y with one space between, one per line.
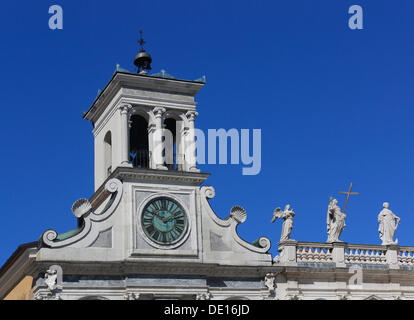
172 146
139 146
108 153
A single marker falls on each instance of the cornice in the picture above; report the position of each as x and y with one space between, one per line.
128 268
120 80
159 176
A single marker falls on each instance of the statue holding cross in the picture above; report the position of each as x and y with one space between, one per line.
335 219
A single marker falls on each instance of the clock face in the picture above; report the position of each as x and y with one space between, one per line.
164 221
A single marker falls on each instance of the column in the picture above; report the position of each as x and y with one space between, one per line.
158 145
125 109
190 143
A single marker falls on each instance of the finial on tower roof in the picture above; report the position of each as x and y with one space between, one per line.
143 59
141 40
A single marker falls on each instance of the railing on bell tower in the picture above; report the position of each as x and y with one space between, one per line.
142 159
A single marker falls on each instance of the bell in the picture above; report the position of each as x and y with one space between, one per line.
143 61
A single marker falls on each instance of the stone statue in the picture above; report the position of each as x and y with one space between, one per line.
388 225
335 221
287 226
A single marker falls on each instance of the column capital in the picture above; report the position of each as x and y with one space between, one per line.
159 111
191 115
125 108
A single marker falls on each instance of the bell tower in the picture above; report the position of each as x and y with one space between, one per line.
144 122
149 221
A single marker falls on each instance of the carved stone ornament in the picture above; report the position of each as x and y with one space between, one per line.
239 214
159 111
53 280
81 207
203 296
269 281
41 295
113 187
191 115
125 108
131 296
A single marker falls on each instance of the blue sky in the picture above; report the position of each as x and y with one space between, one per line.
334 105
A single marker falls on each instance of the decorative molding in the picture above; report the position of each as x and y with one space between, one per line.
152 175
237 215
114 187
131 296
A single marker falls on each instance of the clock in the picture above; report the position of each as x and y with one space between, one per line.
164 221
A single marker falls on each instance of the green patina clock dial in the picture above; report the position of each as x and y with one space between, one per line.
164 221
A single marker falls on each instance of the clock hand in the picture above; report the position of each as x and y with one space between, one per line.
158 216
170 217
